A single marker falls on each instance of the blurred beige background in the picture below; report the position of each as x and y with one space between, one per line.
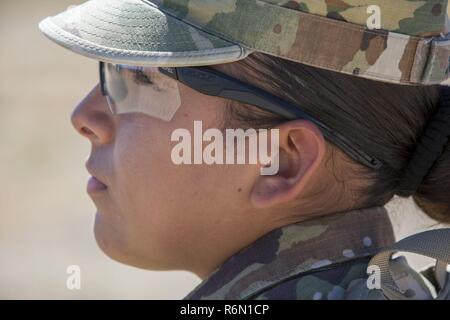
46 218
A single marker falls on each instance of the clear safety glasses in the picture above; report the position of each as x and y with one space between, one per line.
130 89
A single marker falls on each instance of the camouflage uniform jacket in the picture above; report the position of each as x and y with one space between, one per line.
316 259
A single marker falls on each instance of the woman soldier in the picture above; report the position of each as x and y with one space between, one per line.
360 114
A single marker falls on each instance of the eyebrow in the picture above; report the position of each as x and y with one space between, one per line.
142 77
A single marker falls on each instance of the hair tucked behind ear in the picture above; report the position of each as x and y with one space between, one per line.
385 120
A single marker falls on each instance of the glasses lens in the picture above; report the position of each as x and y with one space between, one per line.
131 89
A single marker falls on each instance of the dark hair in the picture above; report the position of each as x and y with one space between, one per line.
385 120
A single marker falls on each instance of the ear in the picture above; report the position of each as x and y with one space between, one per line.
302 149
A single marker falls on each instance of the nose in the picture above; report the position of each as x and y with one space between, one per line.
92 118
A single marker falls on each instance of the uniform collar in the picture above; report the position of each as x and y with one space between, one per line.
298 248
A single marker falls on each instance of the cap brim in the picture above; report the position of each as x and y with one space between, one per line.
137 32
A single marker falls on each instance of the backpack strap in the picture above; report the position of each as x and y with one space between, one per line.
434 244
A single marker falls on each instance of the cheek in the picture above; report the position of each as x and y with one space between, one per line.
141 165
157 202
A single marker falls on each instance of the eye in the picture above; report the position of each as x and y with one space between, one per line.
141 78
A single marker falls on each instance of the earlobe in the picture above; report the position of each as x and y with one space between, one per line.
301 151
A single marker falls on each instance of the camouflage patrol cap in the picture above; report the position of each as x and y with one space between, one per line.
411 45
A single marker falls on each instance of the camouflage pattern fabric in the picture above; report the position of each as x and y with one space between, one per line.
416 18
316 259
412 46
395 53
327 259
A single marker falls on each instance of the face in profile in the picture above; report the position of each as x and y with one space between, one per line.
152 213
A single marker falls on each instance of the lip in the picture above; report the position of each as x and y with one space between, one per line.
94 185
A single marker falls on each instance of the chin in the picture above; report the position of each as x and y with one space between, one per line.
108 241
113 244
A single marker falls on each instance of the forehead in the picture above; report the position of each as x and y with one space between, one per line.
231 69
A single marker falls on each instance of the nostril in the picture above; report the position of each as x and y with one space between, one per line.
86 131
